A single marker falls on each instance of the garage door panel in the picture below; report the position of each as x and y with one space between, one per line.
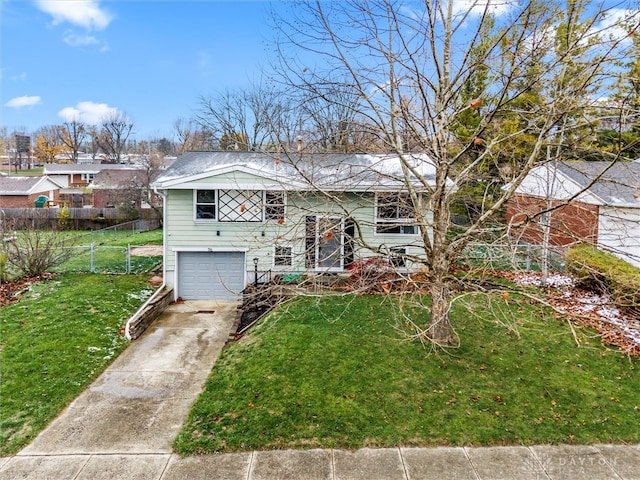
211 275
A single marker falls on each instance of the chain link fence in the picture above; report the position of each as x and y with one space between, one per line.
111 259
521 257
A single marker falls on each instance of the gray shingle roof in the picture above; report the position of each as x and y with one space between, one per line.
333 170
119 178
619 183
17 185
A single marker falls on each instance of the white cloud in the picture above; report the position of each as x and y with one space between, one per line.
74 40
19 77
24 101
611 25
88 112
83 13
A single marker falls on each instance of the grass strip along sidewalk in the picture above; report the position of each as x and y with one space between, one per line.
54 342
340 372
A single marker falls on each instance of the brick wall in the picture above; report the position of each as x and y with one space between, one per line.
570 224
75 179
23 201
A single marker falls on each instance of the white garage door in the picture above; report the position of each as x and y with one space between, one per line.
210 275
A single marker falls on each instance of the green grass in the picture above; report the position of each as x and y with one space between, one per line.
25 172
54 342
340 372
110 249
120 238
110 259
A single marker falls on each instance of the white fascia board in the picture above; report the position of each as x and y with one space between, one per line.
186 181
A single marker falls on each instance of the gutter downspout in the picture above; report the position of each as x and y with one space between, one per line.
157 293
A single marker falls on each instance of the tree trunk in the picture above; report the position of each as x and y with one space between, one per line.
439 331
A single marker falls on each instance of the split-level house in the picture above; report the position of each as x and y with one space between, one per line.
583 202
230 216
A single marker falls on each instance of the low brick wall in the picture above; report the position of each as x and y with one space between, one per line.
145 318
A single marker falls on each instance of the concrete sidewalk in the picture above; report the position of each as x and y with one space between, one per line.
514 463
122 427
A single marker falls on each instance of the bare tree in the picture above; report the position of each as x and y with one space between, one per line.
139 187
411 67
331 120
246 118
34 251
114 134
72 135
192 136
92 144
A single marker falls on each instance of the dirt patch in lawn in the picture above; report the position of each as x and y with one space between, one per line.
147 251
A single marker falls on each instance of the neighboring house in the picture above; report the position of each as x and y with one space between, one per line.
78 175
604 207
75 180
22 192
228 215
113 188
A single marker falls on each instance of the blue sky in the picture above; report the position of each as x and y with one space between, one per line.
149 59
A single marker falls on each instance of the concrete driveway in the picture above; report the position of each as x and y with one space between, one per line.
140 402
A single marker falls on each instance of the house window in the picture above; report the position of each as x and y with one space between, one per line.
282 256
398 257
395 214
88 177
206 204
239 206
274 205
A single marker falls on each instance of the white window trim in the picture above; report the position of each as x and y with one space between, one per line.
339 268
195 205
397 221
217 206
284 204
283 267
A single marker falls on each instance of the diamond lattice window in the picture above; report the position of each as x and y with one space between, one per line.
239 206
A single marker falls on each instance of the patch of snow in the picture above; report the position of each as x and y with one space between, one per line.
578 302
142 295
599 306
555 280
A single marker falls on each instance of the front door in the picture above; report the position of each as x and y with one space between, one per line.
329 244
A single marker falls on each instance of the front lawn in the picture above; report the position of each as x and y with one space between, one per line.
340 372
54 342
